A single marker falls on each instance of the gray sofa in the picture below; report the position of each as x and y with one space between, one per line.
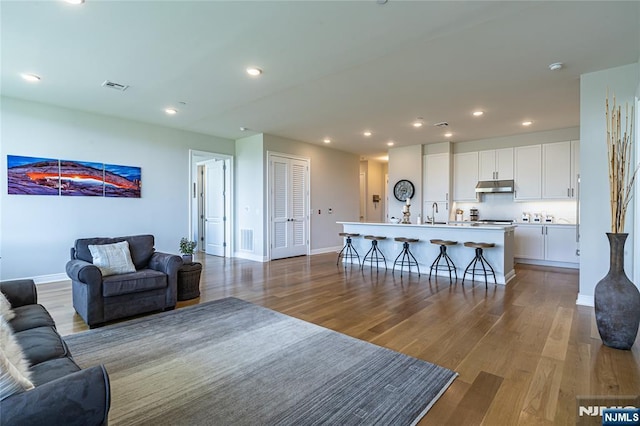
63 393
99 299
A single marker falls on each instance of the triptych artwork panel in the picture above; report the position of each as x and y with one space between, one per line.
48 176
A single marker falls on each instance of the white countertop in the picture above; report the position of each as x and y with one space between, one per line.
544 223
456 225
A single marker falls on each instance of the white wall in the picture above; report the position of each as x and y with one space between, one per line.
534 138
334 185
405 163
250 200
36 232
594 209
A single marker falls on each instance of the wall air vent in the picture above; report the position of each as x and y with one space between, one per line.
441 124
116 86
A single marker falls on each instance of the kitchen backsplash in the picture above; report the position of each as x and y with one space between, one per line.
502 206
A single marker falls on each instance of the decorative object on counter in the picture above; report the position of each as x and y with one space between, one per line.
473 215
548 219
616 298
406 212
186 248
537 218
459 215
525 217
394 219
419 220
403 189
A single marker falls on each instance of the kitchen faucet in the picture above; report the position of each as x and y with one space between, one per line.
434 210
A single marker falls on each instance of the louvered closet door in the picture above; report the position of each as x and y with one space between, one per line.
289 221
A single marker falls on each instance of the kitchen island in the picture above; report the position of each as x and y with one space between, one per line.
500 257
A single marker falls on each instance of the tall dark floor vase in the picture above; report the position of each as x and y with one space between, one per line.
617 300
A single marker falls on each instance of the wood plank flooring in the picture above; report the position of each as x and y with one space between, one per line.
523 352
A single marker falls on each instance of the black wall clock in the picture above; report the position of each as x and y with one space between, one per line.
403 190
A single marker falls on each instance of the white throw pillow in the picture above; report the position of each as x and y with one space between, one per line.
14 368
112 258
5 308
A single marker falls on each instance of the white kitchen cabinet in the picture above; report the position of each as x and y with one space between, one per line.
575 168
560 243
436 184
436 177
496 164
529 242
552 243
465 176
560 168
528 172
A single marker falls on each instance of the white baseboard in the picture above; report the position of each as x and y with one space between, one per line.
43 279
326 250
585 300
547 263
249 256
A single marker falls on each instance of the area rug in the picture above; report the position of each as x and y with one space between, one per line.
230 362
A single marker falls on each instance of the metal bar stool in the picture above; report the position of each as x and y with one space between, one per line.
374 252
406 255
479 258
450 266
348 251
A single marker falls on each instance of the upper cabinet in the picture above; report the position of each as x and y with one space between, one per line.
545 171
560 168
575 168
528 172
495 164
465 176
436 177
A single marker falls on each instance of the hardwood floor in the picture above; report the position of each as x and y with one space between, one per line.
523 352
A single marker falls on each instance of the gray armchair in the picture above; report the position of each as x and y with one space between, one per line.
98 299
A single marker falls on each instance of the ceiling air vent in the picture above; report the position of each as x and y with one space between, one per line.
116 86
441 124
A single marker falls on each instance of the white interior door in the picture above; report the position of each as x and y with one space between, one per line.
289 179
214 211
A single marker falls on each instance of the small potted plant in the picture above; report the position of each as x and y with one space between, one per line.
186 248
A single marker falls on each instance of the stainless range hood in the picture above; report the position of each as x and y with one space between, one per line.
495 186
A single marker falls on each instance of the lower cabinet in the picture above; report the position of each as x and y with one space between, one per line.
529 242
553 243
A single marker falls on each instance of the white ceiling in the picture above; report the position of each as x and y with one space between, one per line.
331 69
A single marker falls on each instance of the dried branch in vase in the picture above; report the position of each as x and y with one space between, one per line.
622 173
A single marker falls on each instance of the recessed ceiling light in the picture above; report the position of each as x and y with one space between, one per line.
367 133
418 123
478 113
253 71
448 135
74 1
527 123
556 66
390 143
243 129
171 111
31 78
326 140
